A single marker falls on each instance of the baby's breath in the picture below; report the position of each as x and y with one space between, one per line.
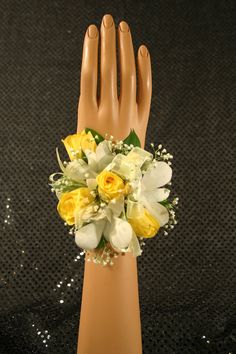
161 154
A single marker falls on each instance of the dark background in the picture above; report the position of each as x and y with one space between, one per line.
187 279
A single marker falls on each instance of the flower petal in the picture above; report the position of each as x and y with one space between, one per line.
103 213
158 211
89 236
91 183
117 206
156 176
134 246
119 233
144 223
77 169
72 144
92 160
156 195
103 155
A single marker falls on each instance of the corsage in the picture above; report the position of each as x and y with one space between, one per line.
113 194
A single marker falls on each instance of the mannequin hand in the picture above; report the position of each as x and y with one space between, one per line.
110 113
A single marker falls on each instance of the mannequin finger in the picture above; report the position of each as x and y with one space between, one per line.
89 70
108 80
127 66
144 82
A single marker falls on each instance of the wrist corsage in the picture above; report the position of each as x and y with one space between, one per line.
113 194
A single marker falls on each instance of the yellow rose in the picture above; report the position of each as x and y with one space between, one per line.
76 143
110 185
143 223
72 201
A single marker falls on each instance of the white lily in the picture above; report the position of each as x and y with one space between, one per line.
107 222
89 236
79 170
119 233
134 246
150 193
99 159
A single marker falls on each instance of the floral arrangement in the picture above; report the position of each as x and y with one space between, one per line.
113 194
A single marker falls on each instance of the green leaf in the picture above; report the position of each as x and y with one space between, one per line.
84 157
102 243
99 137
166 203
133 139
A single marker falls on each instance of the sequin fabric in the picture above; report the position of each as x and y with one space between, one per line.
186 279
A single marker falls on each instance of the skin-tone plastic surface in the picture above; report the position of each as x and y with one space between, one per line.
110 314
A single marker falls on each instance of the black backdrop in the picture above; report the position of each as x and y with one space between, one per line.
187 279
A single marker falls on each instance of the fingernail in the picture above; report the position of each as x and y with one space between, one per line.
143 51
107 21
124 27
92 31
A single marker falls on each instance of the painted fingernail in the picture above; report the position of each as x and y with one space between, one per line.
143 51
107 21
124 27
92 32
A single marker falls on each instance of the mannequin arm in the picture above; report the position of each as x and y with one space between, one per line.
110 314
